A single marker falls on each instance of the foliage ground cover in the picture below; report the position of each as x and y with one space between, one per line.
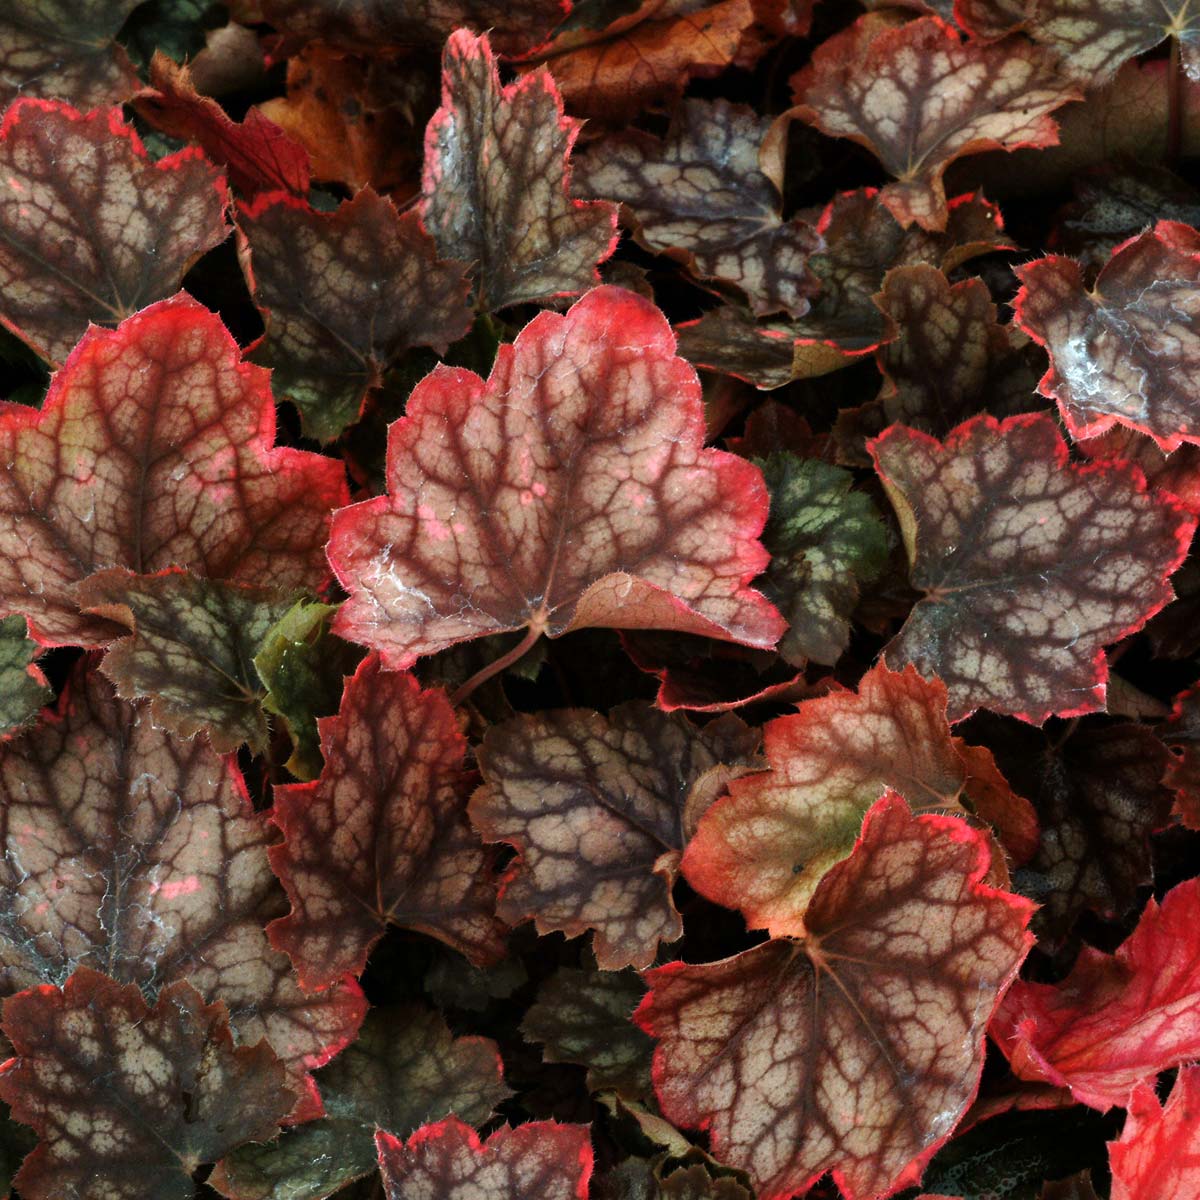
596 599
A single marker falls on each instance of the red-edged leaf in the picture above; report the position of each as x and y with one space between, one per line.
1030 564
1177 472
1116 1020
60 267
403 1069
65 50
1182 734
369 25
585 1017
709 193
23 687
766 846
1098 794
570 489
154 448
258 155
856 1049
190 651
344 295
447 1160
131 850
382 837
918 97
1094 38
127 1099
1158 1154
496 183
598 811
863 241
1127 351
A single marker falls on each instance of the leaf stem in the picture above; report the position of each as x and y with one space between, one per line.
1174 106
532 633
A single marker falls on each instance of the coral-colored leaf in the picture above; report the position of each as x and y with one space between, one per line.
65 50
190 650
586 1017
447 1160
709 193
344 295
404 1069
1031 564
765 847
570 489
646 58
857 1049
128 1099
1094 38
1127 351
257 154
302 665
154 448
496 183
863 241
597 809
951 358
1158 1154
60 268
368 25
824 540
1116 1020
918 97
382 837
131 850
23 687
1099 795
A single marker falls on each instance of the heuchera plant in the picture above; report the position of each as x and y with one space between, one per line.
595 599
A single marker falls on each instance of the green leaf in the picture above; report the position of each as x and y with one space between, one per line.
825 540
301 664
23 688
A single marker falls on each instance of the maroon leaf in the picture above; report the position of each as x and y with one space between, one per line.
856 1049
344 295
496 183
404 1068
918 97
129 1100
1182 735
1116 1020
1030 564
257 154
1099 795
598 810
863 241
381 837
154 448
65 50
447 1160
1125 352
131 850
710 194
59 267
571 489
